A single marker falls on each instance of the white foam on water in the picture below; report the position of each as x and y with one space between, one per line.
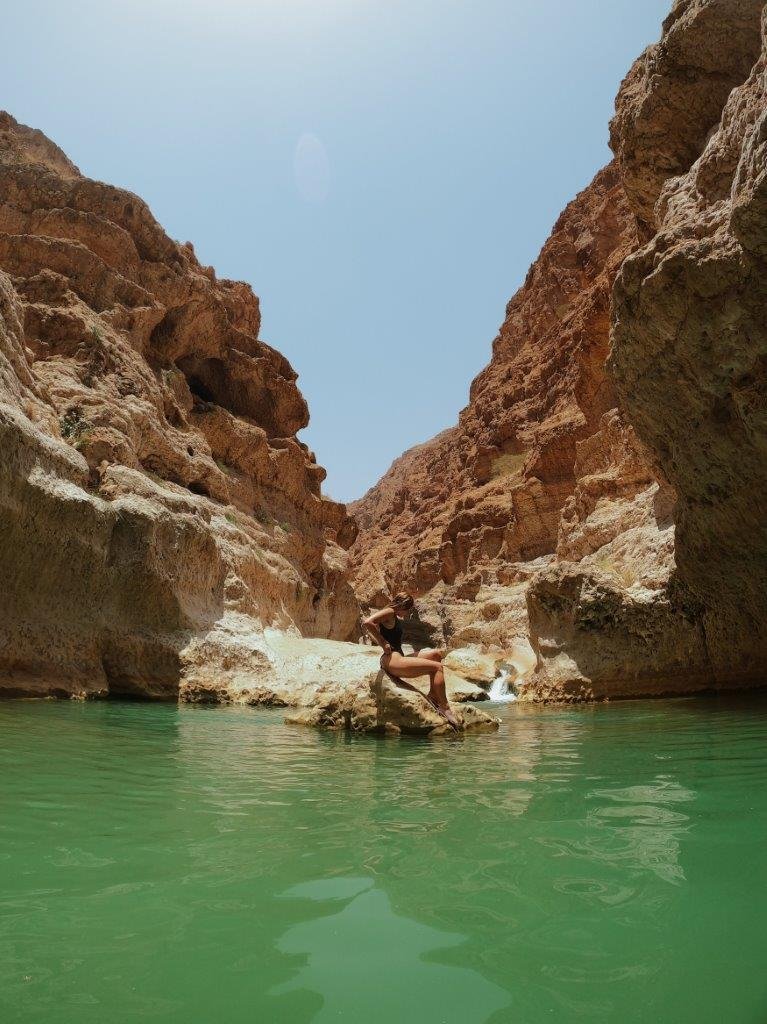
499 689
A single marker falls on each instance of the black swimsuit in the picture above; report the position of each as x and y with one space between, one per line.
393 635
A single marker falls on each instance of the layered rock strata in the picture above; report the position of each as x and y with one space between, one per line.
488 493
152 487
610 514
468 519
690 343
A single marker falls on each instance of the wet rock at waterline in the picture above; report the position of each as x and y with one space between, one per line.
382 707
328 683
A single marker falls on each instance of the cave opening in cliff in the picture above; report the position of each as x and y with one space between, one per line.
200 382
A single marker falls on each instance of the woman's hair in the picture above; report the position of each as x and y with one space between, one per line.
403 600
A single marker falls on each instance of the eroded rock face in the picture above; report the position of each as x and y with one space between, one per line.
609 616
625 534
682 607
489 492
690 362
600 517
466 520
674 94
151 482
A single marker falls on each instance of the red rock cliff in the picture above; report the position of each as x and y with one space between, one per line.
550 512
469 516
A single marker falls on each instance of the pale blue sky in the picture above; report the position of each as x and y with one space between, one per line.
382 172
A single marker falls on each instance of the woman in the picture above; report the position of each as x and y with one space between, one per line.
386 629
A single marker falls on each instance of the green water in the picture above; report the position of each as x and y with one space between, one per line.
214 865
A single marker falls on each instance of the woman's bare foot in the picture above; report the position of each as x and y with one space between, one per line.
446 712
452 720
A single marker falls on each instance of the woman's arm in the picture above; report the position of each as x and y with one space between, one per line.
371 626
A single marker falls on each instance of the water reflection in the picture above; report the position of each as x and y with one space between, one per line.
644 835
581 864
363 953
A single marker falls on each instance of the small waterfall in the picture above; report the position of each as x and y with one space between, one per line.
500 691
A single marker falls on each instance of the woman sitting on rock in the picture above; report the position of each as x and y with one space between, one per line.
386 629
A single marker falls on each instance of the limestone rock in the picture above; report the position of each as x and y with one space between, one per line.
462 516
689 357
659 584
329 684
381 708
462 691
151 481
608 616
596 638
473 664
674 94
610 511
601 517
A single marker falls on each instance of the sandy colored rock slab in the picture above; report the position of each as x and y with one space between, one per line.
473 664
329 683
382 708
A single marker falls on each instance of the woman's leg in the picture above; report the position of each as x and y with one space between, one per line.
430 654
411 668
434 688
405 684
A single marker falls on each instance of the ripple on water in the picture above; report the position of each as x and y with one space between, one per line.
593 888
197 864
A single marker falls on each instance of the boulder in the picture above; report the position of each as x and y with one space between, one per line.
473 664
328 683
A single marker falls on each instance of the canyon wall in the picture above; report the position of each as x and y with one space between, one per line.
598 503
690 328
466 520
157 511
608 512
